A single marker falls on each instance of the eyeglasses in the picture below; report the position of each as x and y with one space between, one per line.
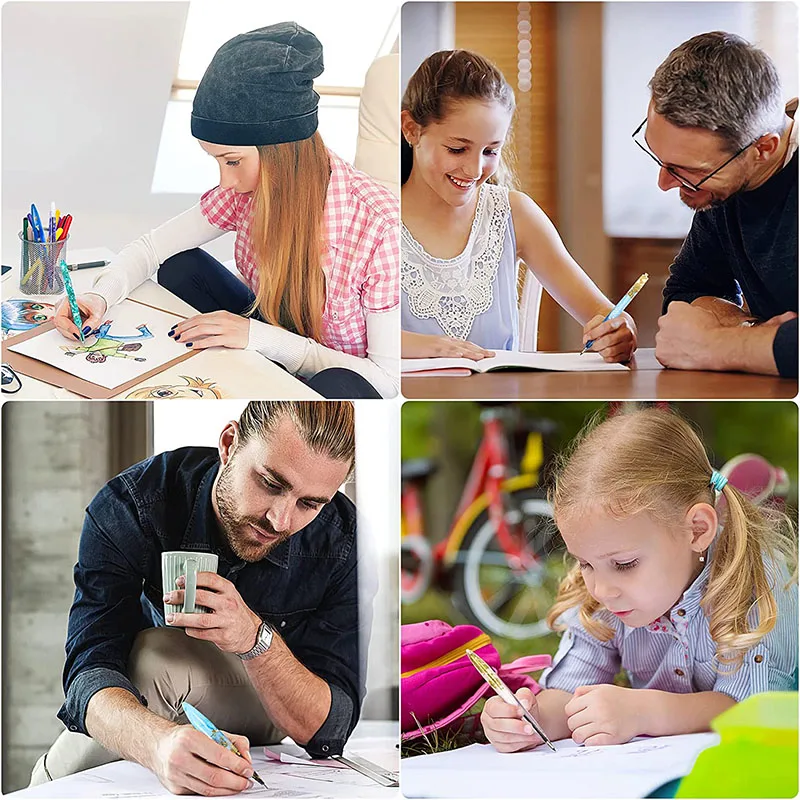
685 183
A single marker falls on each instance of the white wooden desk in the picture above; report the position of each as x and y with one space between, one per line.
240 374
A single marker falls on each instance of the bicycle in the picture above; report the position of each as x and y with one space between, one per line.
500 556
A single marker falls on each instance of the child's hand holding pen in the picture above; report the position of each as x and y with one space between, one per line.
614 339
504 725
92 307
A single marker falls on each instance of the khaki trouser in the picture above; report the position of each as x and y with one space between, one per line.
168 667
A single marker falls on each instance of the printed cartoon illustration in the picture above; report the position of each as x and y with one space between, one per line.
195 389
107 346
22 315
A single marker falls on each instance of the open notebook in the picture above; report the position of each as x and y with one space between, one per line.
509 360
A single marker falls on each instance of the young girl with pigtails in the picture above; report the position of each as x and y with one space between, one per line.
677 579
316 247
465 227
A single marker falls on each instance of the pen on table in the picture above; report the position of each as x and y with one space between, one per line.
494 680
73 303
622 305
87 265
206 726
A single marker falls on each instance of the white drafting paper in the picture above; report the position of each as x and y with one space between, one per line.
627 770
124 780
548 362
133 340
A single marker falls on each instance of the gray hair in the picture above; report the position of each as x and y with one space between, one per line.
722 83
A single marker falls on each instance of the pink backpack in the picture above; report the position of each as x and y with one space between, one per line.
438 684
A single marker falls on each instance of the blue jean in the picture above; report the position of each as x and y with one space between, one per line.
201 281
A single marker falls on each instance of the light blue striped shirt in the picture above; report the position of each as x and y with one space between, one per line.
676 652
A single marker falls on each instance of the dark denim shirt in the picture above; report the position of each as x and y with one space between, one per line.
306 587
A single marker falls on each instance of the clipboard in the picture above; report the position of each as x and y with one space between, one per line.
33 368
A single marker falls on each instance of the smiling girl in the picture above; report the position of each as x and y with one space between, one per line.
464 229
677 579
316 241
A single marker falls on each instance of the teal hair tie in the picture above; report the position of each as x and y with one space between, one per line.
718 480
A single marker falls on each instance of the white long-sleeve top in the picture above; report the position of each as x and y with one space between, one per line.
300 355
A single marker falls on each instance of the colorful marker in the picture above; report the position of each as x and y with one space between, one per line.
206 726
622 305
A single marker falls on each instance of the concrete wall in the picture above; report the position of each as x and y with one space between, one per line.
55 458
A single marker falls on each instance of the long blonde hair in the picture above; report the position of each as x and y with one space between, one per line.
653 461
288 238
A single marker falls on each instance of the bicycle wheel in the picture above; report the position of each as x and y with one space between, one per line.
493 594
416 568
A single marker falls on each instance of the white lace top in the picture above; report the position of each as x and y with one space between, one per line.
474 295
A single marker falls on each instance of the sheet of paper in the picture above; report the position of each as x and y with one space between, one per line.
621 771
551 362
132 341
124 780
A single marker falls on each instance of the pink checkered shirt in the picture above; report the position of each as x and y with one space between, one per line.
362 271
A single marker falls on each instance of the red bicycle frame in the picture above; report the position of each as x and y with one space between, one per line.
490 469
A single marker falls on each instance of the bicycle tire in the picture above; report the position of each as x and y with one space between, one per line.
481 564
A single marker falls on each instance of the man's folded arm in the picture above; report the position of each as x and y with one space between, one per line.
106 613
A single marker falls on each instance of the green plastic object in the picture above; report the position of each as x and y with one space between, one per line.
757 755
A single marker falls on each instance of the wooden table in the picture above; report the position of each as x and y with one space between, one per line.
647 380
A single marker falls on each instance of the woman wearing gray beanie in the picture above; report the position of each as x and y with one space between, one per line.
316 241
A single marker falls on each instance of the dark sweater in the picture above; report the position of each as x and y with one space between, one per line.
747 246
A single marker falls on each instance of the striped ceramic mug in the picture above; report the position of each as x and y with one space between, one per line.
177 563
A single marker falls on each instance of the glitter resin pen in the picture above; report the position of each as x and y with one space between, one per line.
622 305
493 679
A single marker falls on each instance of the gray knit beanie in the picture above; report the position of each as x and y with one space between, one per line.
258 88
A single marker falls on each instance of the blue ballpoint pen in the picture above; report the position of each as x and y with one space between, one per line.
621 306
206 726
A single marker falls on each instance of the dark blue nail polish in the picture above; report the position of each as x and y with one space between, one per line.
86 330
174 326
171 333
189 344
177 337
76 336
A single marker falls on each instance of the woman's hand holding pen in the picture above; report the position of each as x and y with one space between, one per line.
614 339
231 625
215 329
504 726
93 309
605 714
189 762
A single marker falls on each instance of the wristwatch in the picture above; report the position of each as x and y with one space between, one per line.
263 641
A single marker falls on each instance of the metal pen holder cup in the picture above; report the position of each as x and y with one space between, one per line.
40 272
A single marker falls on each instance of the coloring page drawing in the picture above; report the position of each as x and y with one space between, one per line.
131 341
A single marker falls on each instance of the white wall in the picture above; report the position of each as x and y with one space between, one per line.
425 28
637 37
83 105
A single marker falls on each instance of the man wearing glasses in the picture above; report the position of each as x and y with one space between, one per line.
720 133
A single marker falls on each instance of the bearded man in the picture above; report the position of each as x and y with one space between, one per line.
277 653
722 133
